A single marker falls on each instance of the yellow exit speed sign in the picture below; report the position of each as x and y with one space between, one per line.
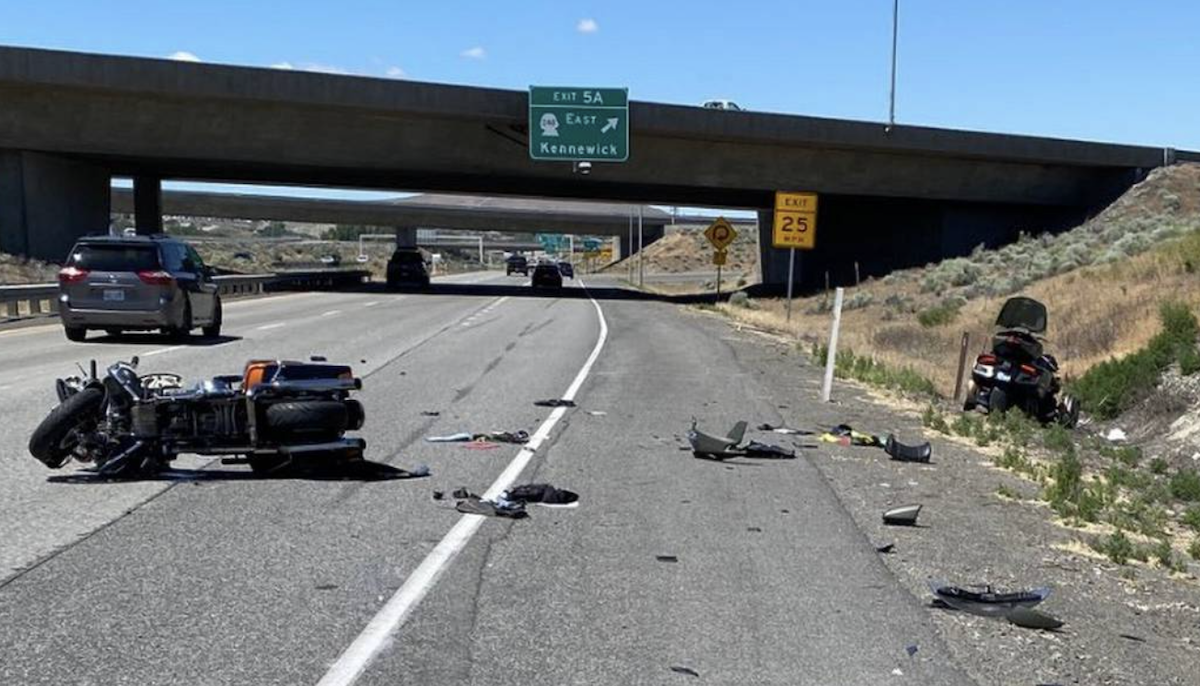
795 220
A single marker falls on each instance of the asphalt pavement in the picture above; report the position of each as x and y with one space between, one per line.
748 573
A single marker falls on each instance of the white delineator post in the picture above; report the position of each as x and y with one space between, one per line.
831 355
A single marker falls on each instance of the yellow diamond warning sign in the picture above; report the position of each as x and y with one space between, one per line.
720 233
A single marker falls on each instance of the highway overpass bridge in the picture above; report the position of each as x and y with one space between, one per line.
71 121
433 211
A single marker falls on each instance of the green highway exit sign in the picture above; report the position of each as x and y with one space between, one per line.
579 124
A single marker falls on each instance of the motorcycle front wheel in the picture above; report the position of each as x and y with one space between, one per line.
56 437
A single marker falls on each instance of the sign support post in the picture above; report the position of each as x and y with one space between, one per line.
791 271
641 248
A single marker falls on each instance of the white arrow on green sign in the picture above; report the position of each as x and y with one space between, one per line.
579 124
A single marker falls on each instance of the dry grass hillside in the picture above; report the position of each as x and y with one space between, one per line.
685 249
1102 282
18 270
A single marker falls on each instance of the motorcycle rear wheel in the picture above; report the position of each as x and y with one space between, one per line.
56 437
307 420
997 401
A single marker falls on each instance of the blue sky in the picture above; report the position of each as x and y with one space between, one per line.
1101 69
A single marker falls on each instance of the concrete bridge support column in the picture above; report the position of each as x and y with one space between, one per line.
774 261
650 233
147 205
406 237
46 202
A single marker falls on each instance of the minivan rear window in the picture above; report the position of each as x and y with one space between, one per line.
114 258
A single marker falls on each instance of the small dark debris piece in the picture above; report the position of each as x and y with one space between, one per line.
666 558
462 494
325 587
1131 637
785 511
679 669
902 516
430 413
911 650
438 495
755 529
1033 619
554 402
907 453
541 493
885 548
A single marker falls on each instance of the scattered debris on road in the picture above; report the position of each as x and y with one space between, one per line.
430 413
554 402
885 548
785 430
666 558
905 515
907 453
1029 618
542 494
988 602
461 437
679 669
722 447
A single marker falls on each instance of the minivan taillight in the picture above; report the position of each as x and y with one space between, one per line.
156 278
71 275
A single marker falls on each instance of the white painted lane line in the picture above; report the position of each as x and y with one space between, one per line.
351 664
276 325
160 351
330 313
373 303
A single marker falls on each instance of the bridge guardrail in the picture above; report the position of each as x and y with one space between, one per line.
29 300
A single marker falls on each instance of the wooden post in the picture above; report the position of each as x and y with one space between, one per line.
962 360
857 281
826 283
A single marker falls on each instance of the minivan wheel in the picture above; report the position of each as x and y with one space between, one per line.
75 333
214 329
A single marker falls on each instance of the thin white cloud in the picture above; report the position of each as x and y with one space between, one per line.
395 72
475 53
184 56
587 25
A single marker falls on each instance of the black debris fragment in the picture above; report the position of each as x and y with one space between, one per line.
911 650
754 529
554 402
325 587
492 508
907 453
541 493
988 602
679 669
430 413
666 558
1131 637
885 548
438 495
1029 618
756 449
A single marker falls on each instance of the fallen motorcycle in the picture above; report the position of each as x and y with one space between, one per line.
1016 372
275 412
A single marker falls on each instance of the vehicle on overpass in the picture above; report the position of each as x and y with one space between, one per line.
132 283
567 269
722 105
517 263
546 275
126 424
407 267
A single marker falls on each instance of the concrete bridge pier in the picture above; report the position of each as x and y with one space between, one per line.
650 233
147 205
46 202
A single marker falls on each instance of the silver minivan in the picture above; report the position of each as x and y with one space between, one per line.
131 283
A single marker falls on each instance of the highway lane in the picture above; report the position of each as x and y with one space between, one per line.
222 580
40 516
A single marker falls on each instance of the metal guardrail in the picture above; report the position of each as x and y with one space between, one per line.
32 300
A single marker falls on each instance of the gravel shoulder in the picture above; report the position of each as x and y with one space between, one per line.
1118 630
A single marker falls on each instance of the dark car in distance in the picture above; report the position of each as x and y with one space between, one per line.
566 269
547 274
407 267
517 263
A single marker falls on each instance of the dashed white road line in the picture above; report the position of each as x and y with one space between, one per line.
330 313
266 327
351 664
373 303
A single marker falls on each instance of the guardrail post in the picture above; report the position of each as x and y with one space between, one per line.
35 305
